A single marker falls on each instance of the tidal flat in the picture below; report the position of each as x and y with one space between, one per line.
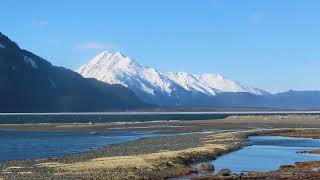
158 157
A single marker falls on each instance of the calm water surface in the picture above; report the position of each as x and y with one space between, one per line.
102 118
16 145
268 153
126 116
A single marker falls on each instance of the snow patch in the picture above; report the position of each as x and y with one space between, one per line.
2 46
53 84
147 89
30 61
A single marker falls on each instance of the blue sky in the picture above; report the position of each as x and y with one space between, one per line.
270 44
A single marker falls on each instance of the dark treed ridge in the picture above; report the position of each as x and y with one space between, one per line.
28 83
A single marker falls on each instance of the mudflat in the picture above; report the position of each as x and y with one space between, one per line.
229 123
157 157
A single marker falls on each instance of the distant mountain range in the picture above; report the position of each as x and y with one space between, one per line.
115 82
189 90
29 83
153 86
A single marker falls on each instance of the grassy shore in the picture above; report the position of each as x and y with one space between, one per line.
148 158
151 158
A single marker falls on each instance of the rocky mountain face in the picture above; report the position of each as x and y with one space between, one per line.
28 83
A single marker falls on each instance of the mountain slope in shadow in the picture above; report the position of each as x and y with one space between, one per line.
28 83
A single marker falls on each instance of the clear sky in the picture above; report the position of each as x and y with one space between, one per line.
270 44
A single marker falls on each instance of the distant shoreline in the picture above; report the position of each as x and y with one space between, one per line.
135 117
222 122
172 112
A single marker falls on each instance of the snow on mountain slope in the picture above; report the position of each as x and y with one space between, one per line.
190 83
217 81
2 46
115 68
30 61
119 69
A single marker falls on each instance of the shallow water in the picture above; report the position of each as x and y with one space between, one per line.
22 118
102 118
15 145
267 153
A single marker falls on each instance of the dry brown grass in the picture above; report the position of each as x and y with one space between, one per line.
162 163
139 161
215 143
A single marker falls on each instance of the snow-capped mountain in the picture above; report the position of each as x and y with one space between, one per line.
29 83
155 86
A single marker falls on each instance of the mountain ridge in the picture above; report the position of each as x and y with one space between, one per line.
29 83
153 85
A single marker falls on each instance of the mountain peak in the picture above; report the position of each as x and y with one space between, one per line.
116 68
110 56
103 55
108 67
28 82
119 54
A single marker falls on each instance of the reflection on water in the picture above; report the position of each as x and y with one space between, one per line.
16 145
268 153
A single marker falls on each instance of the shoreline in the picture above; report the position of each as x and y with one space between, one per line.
149 163
229 123
160 156
119 163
